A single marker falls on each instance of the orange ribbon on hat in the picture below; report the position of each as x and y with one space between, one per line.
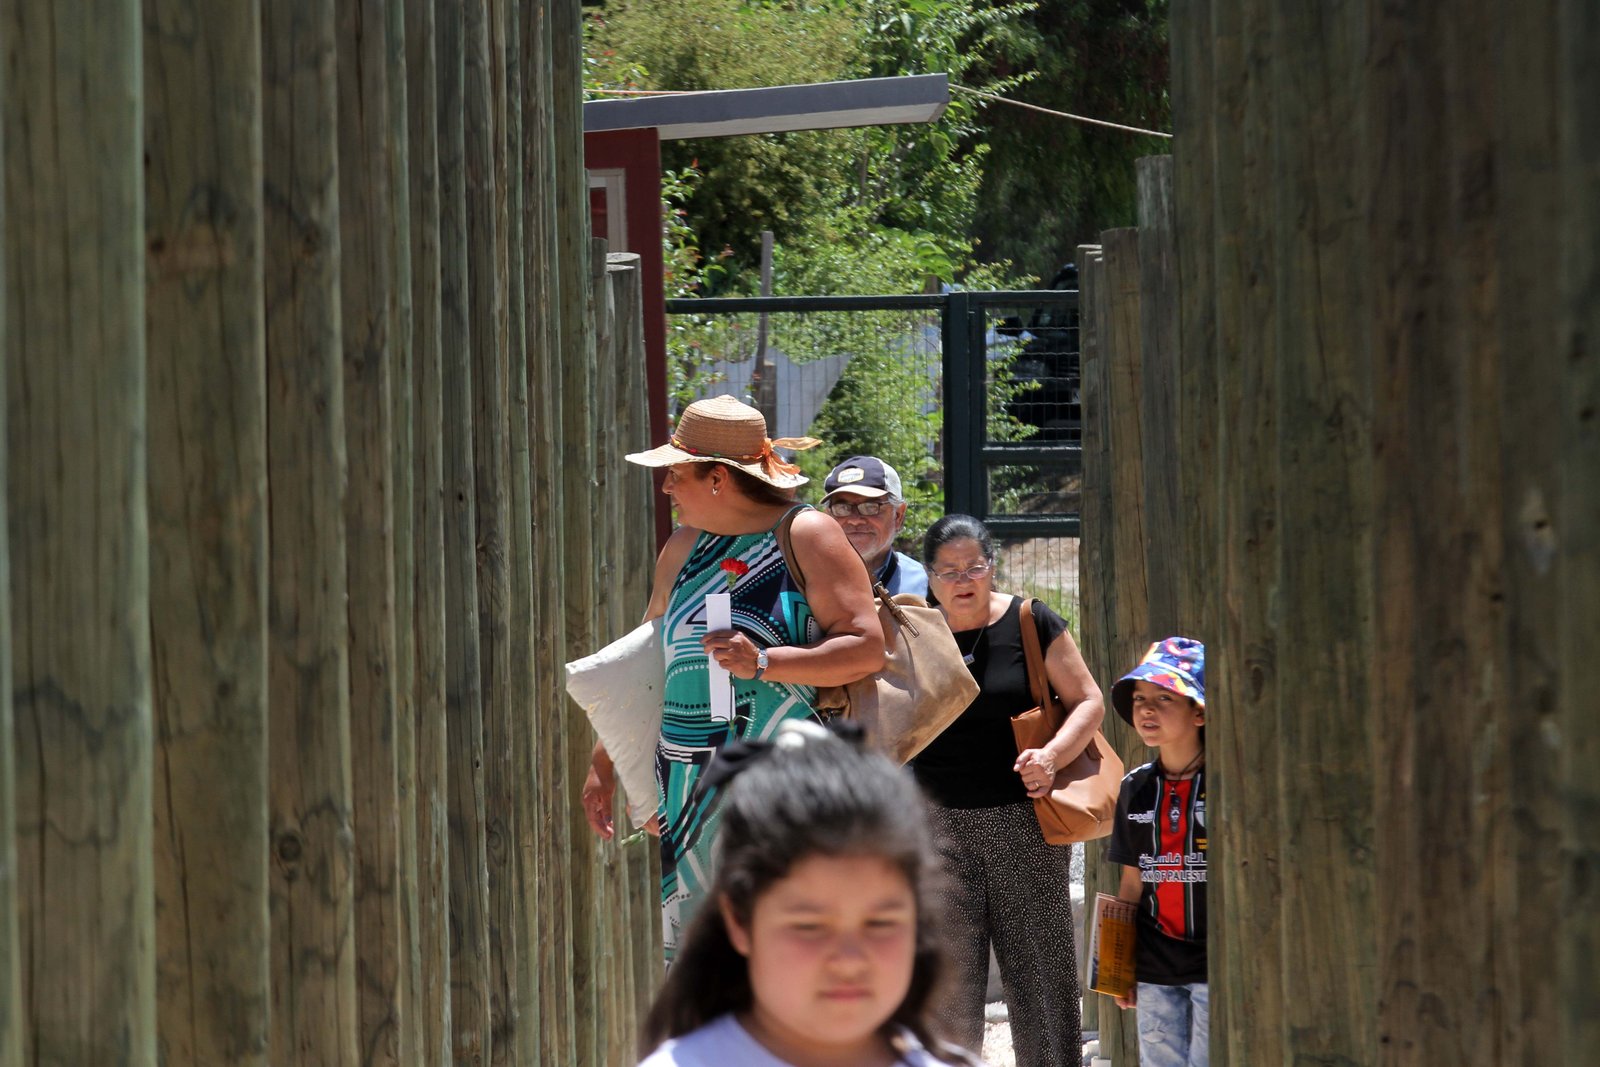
772 463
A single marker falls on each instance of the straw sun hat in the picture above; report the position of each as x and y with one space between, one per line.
722 430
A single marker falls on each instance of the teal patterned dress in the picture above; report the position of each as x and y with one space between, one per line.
769 609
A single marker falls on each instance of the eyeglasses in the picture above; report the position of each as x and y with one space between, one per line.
972 573
841 509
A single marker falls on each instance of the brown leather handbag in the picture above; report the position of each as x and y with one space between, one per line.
924 685
1083 802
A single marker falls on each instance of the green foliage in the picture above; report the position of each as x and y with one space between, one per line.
1106 59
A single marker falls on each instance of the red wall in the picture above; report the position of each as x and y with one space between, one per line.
638 154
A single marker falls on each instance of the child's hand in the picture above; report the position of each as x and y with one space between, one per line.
1037 769
1129 1001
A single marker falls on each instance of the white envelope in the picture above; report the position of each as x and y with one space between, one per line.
621 688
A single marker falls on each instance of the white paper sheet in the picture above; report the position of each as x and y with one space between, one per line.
719 616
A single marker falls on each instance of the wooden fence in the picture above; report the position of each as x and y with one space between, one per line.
1354 449
315 396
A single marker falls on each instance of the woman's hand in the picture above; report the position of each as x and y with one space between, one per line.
599 788
733 651
1129 1001
1037 768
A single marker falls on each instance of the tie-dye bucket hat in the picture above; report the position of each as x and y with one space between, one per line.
1175 663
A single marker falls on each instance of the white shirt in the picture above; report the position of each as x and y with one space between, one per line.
724 1043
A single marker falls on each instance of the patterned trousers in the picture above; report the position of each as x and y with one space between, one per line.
1006 886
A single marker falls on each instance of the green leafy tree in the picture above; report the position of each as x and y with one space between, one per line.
1050 184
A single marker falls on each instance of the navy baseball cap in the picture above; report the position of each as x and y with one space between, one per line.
866 476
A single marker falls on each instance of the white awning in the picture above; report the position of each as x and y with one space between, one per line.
820 106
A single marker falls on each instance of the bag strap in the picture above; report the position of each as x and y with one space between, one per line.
790 560
786 546
1038 676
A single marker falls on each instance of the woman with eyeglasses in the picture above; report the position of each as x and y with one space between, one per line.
1005 885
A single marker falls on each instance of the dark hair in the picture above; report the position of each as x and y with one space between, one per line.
956 528
748 484
813 794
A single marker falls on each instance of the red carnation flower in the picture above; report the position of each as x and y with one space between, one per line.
735 569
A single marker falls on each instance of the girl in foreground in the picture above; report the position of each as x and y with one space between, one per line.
817 948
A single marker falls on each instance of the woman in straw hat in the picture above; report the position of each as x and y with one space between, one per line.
732 491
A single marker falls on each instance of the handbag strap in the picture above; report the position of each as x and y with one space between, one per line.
790 560
1038 677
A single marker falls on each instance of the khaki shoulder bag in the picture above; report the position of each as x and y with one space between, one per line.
1083 802
924 684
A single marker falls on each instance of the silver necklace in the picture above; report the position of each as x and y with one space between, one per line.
968 655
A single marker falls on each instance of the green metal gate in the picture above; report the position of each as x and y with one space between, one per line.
980 390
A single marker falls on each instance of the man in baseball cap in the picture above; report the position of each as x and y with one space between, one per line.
863 496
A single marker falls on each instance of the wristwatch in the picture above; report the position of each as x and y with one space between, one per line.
761 664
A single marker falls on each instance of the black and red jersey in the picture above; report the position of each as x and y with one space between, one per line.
1161 830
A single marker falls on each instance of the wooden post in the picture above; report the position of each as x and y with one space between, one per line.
764 380
1324 595
1096 592
208 524
76 357
526 667
428 509
1247 845
491 461
313 948
557 799
580 570
1194 164
367 288
12 1023
1530 392
632 490
1577 981
469 898
75 360
1130 635
403 476
1158 398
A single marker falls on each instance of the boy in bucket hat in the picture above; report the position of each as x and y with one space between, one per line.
863 496
1159 837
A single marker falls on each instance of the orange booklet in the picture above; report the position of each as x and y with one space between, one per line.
1111 937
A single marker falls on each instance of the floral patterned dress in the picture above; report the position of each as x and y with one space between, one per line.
769 609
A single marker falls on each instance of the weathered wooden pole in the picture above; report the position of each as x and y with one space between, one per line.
634 490
403 499
580 570
556 799
1323 446
469 896
1193 178
432 996
1580 449
524 680
491 462
313 946
1121 348
1158 398
12 1022
75 360
208 528
1246 855
367 284
1096 590
1578 976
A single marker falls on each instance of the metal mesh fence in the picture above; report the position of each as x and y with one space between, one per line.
867 376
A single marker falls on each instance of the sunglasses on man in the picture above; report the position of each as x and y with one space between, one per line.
840 509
